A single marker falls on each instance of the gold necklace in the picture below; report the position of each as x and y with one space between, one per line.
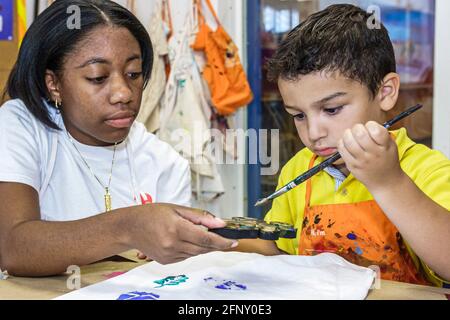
107 196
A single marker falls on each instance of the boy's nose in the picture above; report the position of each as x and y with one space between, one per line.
316 131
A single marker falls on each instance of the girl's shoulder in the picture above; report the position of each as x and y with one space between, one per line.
15 117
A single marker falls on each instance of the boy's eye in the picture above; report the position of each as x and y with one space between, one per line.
134 75
299 116
97 80
333 111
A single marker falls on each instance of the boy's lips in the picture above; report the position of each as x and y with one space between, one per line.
325 152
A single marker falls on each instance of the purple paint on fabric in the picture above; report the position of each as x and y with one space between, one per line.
228 285
136 295
225 284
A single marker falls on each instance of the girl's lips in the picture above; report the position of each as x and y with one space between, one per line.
325 152
120 123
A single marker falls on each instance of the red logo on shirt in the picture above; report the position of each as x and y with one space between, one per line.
146 198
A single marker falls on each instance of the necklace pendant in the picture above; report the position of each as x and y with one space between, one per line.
108 206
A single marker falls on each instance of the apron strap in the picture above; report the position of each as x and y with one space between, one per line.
211 9
167 16
308 183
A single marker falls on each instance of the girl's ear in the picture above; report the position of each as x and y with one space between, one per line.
52 83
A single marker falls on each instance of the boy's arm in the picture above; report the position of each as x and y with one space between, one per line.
372 157
265 247
423 223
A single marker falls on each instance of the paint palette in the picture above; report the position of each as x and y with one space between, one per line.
252 228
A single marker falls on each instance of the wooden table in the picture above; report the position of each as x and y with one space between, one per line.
52 287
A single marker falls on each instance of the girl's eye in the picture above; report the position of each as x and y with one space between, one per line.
97 80
134 75
299 116
333 111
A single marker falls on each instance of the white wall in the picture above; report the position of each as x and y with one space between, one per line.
441 103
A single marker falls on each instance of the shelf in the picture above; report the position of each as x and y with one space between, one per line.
416 86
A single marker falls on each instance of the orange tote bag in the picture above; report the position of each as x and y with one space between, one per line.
223 70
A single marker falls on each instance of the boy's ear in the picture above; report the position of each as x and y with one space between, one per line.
389 90
52 83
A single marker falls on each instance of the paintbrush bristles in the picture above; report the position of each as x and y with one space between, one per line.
260 202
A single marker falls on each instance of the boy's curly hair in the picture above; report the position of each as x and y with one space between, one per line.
337 38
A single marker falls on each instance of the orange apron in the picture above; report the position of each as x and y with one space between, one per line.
360 233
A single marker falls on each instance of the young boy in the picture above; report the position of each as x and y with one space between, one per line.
386 201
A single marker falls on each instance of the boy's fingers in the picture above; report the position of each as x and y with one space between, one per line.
346 156
350 144
363 138
378 133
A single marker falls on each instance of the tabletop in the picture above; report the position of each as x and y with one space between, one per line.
44 288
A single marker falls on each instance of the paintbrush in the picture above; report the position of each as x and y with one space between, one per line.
308 174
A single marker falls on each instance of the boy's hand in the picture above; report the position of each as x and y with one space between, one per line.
370 155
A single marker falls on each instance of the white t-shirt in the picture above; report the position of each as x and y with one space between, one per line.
145 168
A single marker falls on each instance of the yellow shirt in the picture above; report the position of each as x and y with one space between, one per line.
429 169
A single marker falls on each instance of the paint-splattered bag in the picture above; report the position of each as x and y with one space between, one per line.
223 70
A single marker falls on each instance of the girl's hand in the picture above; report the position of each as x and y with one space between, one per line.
142 256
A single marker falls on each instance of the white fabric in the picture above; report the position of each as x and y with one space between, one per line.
45 159
325 276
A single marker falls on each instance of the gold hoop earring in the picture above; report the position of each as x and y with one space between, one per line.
57 104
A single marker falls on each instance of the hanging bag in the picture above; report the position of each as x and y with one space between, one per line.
223 70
